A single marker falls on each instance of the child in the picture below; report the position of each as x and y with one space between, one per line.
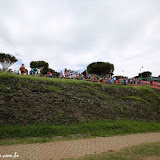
31 72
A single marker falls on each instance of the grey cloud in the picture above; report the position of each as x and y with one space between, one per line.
74 33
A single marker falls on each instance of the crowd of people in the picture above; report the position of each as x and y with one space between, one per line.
109 79
32 72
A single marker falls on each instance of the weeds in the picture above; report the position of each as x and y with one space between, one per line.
94 128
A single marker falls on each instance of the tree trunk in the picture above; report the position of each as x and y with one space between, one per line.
4 69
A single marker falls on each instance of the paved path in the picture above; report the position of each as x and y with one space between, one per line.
75 148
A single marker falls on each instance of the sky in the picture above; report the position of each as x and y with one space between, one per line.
74 33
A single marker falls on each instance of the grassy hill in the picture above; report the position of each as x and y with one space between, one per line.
27 100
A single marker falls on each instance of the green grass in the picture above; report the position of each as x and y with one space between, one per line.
138 152
29 140
95 128
72 81
35 78
143 87
133 98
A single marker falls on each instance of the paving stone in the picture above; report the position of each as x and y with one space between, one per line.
76 148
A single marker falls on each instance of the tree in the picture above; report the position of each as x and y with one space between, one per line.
7 60
42 65
100 68
146 74
55 73
51 70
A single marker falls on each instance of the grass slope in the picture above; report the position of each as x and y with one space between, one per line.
46 107
27 99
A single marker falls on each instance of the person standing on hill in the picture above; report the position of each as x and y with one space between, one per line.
22 69
134 81
49 73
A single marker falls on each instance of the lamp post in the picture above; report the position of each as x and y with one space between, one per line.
123 73
140 72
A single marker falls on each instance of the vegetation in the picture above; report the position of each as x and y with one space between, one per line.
146 74
46 107
28 100
42 65
55 74
6 60
100 68
44 79
100 128
139 152
28 140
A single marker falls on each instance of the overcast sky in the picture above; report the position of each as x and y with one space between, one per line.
74 33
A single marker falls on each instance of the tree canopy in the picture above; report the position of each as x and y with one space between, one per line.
7 60
42 65
54 72
145 74
100 68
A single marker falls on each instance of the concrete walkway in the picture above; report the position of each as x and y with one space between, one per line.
75 148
